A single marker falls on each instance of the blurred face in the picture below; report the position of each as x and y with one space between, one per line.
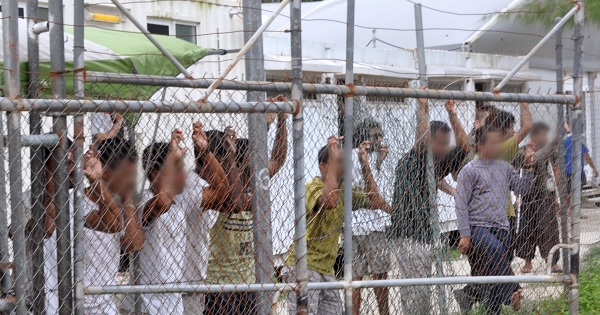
122 179
334 166
440 144
490 148
376 138
539 140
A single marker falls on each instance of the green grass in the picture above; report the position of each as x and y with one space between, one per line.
589 293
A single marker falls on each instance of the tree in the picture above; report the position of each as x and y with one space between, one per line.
545 11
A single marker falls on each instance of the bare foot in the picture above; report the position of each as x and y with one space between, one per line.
516 299
556 269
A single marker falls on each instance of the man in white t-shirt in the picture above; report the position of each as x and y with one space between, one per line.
111 221
175 221
370 246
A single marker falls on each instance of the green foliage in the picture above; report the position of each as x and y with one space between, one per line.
546 11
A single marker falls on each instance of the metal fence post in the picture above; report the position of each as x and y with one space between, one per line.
563 190
259 158
576 164
348 133
78 193
59 155
431 180
12 75
37 168
298 141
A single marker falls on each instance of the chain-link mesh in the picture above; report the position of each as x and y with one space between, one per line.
169 202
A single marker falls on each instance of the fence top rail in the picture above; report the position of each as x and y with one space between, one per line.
79 106
284 87
338 285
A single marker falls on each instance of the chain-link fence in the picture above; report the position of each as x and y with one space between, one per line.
144 194
168 205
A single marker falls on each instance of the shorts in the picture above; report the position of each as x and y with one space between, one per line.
371 254
238 303
319 302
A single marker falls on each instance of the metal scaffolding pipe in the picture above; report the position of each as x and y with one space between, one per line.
83 106
348 129
340 285
35 141
578 122
300 246
151 38
537 47
282 87
245 49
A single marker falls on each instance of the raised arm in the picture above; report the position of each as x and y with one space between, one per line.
330 196
133 238
212 171
422 133
107 218
112 132
280 146
526 123
460 135
162 181
376 201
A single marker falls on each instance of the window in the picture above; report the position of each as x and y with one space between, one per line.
43 14
158 29
21 12
185 32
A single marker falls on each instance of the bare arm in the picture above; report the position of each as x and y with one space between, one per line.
108 217
280 146
460 135
375 198
526 123
422 133
445 187
590 162
330 196
133 237
212 171
117 124
50 215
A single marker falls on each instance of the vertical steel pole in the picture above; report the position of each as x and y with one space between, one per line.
12 74
594 118
59 155
259 158
431 180
576 164
5 283
348 174
560 134
298 136
37 168
78 87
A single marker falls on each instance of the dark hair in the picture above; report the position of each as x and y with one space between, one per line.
362 132
501 120
323 156
46 153
483 109
539 127
436 126
242 146
154 156
482 132
113 151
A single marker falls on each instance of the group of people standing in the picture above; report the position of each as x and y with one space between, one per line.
176 239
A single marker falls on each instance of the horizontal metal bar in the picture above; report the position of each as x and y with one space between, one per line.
283 87
79 106
270 287
47 140
221 52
